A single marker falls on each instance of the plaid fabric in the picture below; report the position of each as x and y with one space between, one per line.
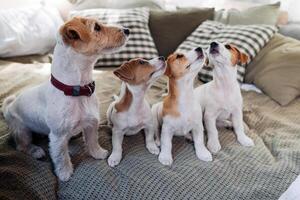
248 38
140 43
262 172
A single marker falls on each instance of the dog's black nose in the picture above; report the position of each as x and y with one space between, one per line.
126 31
161 58
213 45
198 49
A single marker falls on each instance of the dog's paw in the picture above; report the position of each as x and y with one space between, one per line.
65 173
165 159
204 155
100 153
246 141
152 148
214 146
36 151
114 160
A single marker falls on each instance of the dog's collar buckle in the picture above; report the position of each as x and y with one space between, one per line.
76 90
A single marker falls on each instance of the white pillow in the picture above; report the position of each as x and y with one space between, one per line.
30 30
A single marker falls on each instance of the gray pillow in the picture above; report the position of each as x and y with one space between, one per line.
169 29
291 30
265 14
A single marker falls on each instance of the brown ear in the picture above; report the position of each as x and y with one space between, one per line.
73 31
168 71
124 73
243 58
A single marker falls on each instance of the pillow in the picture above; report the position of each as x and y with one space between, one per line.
291 30
170 29
265 14
140 43
276 69
116 4
249 38
31 30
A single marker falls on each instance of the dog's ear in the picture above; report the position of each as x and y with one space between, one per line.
124 72
243 58
239 56
168 69
74 31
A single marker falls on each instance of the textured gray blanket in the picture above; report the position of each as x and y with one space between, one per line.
263 172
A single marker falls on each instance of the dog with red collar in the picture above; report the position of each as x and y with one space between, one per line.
66 104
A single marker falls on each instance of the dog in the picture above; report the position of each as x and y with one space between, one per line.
66 104
221 99
130 112
178 114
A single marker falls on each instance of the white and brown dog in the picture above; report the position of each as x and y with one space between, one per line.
65 105
221 99
130 112
179 112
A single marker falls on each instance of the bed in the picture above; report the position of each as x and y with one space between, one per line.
261 172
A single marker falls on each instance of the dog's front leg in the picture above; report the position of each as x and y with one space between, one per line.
213 143
198 137
60 155
150 143
237 121
91 139
117 140
165 156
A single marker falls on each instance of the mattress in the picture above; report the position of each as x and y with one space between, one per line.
262 172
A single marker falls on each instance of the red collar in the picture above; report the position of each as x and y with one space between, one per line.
76 90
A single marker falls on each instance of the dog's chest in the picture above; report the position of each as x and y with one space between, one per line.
136 120
80 113
185 123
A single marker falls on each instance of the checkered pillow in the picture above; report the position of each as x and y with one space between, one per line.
140 43
248 38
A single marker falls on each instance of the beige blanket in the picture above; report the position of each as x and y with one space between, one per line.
262 172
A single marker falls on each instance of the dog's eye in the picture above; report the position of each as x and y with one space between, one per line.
97 27
142 62
179 56
152 74
227 46
187 67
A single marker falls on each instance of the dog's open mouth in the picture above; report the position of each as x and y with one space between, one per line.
214 51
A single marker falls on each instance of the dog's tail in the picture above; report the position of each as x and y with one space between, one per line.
6 104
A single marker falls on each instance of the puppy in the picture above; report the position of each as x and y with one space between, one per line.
65 105
221 99
179 112
130 113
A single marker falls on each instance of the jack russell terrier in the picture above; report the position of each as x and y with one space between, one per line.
179 112
66 104
221 99
130 112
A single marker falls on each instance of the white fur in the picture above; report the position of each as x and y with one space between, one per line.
190 113
45 109
135 119
221 100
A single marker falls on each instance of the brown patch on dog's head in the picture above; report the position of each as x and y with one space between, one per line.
135 71
177 65
236 55
88 36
